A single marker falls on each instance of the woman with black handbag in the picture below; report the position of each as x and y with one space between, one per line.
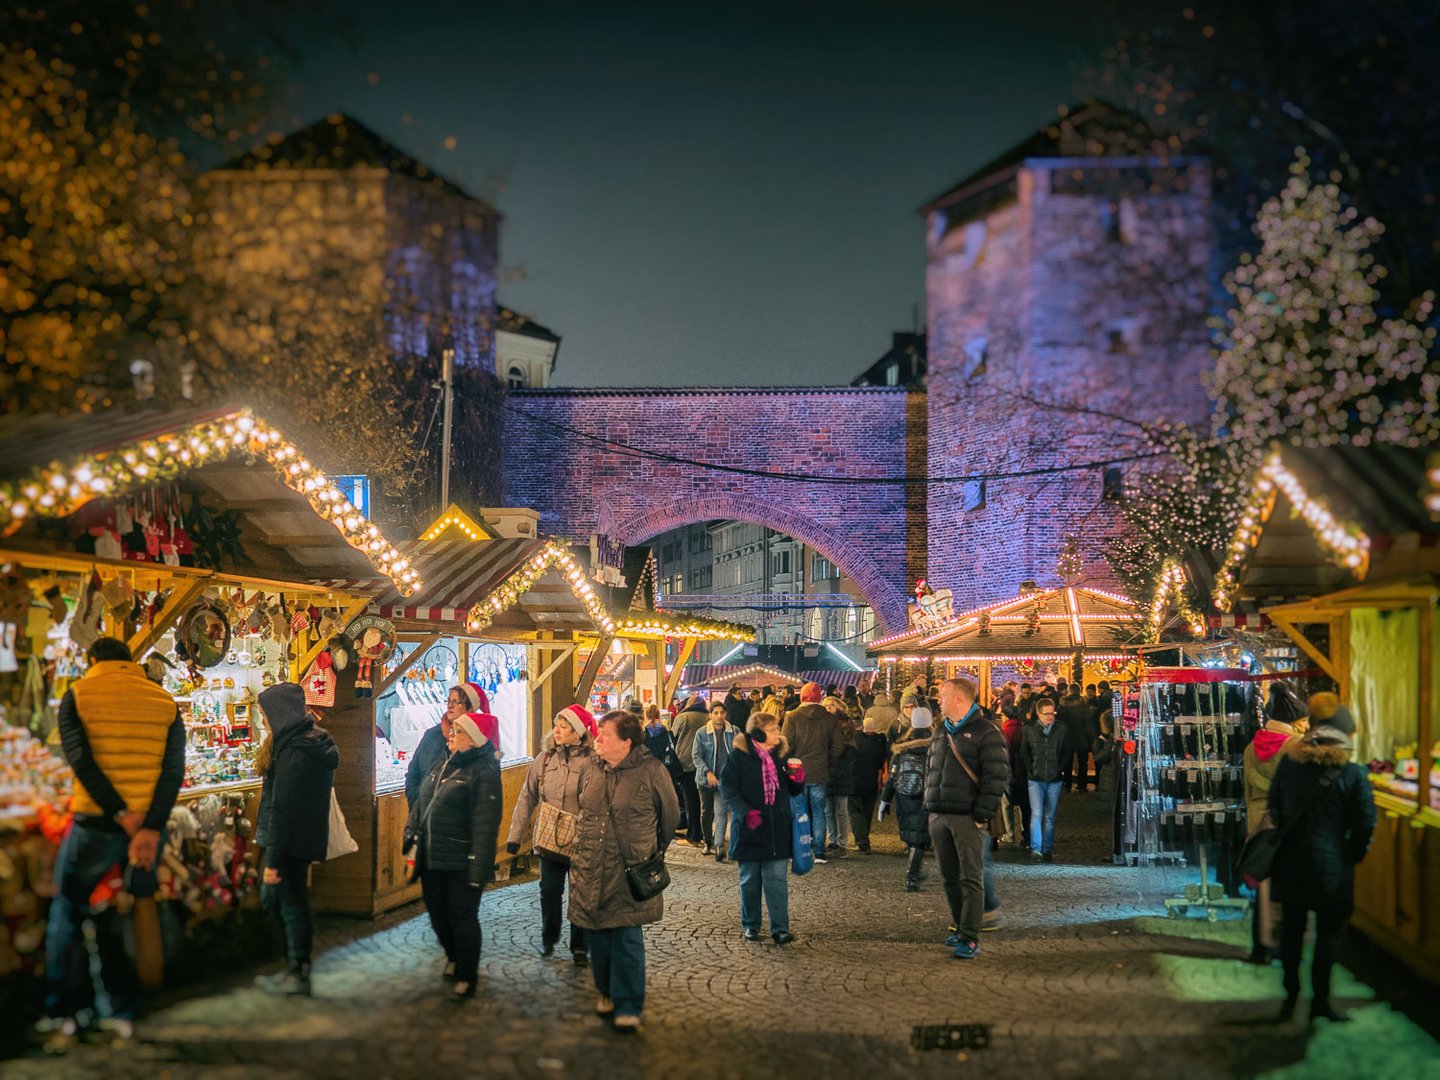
553 788
628 815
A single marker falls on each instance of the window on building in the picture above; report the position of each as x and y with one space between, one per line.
972 494
516 379
701 578
700 542
780 562
1112 483
822 569
892 375
677 583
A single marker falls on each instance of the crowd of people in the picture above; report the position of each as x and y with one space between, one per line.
738 777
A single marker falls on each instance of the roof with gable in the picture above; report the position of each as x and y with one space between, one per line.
339 141
1087 129
511 321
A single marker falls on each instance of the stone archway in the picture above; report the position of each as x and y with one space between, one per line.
885 597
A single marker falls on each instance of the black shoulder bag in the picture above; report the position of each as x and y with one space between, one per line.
646 879
1257 859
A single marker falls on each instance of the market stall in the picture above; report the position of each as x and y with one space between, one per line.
517 616
109 522
1042 634
1339 547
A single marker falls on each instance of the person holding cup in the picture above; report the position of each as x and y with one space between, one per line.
757 782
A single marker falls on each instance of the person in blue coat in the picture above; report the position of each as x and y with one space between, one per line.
1324 801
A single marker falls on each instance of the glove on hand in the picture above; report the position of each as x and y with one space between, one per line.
752 819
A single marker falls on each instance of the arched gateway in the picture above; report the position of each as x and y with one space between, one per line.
586 457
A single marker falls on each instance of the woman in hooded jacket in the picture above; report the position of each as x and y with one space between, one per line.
758 782
1327 799
554 778
906 788
298 760
1262 757
453 827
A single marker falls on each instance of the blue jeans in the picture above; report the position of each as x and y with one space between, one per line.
772 878
89 850
1044 798
818 799
617 958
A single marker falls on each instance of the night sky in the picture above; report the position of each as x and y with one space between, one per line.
698 193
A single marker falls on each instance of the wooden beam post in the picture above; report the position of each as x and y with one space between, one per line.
544 676
180 600
405 665
309 655
672 681
1306 646
592 668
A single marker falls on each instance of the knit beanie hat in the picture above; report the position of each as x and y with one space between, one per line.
474 697
921 718
470 727
578 718
811 693
875 724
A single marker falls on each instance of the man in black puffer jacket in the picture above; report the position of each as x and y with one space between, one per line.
967 770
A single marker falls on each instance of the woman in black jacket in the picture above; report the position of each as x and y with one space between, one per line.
1324 802
454 826
757 783
298 760
906 787
872 749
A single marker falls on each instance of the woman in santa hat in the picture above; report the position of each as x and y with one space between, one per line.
452 832
466 699
554 778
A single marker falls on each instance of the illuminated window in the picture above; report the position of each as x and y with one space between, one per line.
516 379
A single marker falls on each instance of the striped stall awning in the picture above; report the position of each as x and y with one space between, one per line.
1239 622
458 574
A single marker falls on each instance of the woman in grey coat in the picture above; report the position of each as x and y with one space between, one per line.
628 813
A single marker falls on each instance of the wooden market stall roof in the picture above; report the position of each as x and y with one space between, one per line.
525 586
749 676
1040 624
1346 508
293 522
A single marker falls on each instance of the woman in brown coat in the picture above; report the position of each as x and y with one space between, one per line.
628 813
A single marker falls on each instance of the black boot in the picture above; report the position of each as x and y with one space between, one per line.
1323 1010
1287 1009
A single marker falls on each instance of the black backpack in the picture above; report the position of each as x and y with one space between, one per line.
909 775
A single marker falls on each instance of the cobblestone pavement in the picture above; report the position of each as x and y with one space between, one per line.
1083 980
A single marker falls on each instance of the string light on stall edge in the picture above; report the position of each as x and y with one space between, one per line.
1346 544
509 591
55 491
704 629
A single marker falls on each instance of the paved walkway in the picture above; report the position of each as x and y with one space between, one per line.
1083 980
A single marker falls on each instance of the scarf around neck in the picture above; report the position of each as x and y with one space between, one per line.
769 778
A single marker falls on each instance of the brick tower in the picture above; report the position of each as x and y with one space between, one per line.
1067 290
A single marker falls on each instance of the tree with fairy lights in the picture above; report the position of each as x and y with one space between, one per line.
1304 355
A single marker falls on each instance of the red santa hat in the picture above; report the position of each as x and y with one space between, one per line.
488 725
469 724
474 697
578 718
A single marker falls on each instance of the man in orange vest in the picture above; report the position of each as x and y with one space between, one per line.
125 741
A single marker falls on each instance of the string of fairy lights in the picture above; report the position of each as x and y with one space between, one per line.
57 490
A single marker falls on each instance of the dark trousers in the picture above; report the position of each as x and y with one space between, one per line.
454 909
288 905
89 850
691 795
960 853
1077 769
617 959
1328 931
1020 796
862 813
915 865
552 904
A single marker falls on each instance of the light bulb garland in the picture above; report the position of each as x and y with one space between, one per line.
1344 541
56 490
508 593
655 625
1171 587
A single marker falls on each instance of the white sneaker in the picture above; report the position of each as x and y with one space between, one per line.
604 1007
